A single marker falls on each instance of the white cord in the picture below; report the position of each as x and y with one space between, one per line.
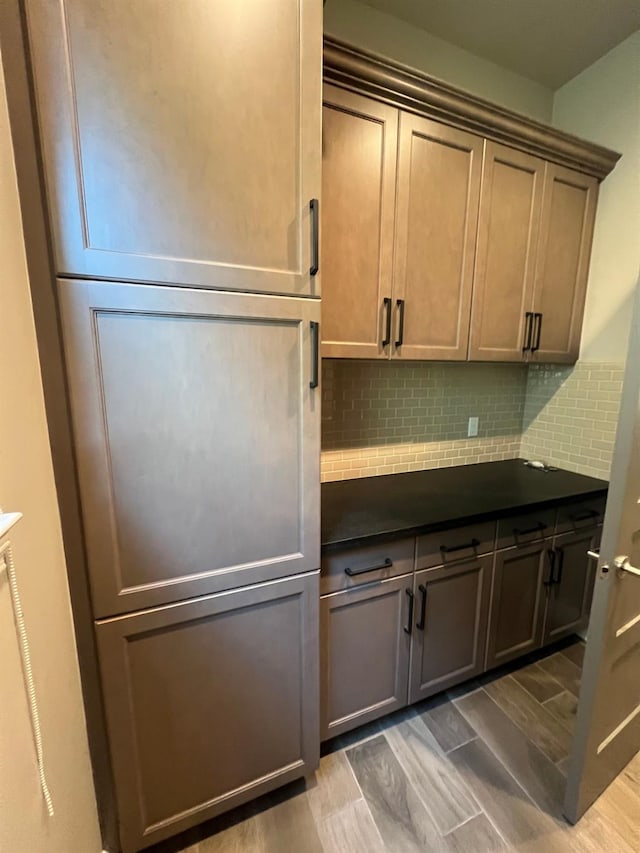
27 670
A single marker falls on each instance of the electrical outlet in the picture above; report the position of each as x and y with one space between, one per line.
473 427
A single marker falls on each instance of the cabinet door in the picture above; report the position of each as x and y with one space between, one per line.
439 171
197 439
450 625
569 590
562 266
517 602
364 653
509 218
181 141
359 142
209 703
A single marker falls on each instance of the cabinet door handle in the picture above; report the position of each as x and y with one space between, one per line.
423 607
538 317
528 331
355 572
552 567
315 353
400 306
314 207
538 528
387 333
560 553
449 549
409 624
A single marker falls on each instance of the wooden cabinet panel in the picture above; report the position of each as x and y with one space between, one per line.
566 232
365 564
569 593
209 703
450 625
181 144
439 171
517 602
359 143
364 653
197 439
510 205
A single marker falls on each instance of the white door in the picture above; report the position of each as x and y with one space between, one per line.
608 726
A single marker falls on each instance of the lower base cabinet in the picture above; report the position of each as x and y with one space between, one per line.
365 634
570 586
450 625
210 703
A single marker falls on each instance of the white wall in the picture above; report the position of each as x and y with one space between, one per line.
602 104
27 485
376 31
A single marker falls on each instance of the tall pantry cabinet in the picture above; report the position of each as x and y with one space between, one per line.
181 152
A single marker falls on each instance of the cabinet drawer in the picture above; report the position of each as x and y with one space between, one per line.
523 529
451 546
355 566
580 515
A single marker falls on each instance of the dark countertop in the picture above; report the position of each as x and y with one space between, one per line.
370 508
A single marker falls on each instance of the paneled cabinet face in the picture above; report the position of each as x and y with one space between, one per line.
359 142
181 141
517 602
209 703
439 171
569 590
197 438
566 231
450 625
364 653
510 205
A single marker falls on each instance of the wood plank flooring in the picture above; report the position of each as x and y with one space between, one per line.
479 769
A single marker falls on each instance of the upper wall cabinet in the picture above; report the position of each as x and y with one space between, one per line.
181 140
439 170
359 139
490 224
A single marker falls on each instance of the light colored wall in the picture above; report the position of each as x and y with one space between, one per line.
376 31
27 485
602 104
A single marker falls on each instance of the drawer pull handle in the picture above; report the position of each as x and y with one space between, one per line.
378 566
538 528
423 607
585 516
449 549
408 626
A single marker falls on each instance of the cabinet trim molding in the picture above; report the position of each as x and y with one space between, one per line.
409 89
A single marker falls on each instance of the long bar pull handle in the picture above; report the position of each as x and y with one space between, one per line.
400 306
560 552
539 527
387 332
552 568
423 607
449 549
314 207
409 624
585 516
315 353
355 572
538 317
528 330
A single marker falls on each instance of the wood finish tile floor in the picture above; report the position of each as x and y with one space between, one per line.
479 769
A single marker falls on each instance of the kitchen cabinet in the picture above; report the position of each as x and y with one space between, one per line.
365 646
518 602
181 144
562 263
439 170
209 703
570 584
197 436
508 223
359 141
450 625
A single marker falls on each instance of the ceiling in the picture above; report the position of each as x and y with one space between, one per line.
546 40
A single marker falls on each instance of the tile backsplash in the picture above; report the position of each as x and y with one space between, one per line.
381 418
571 414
